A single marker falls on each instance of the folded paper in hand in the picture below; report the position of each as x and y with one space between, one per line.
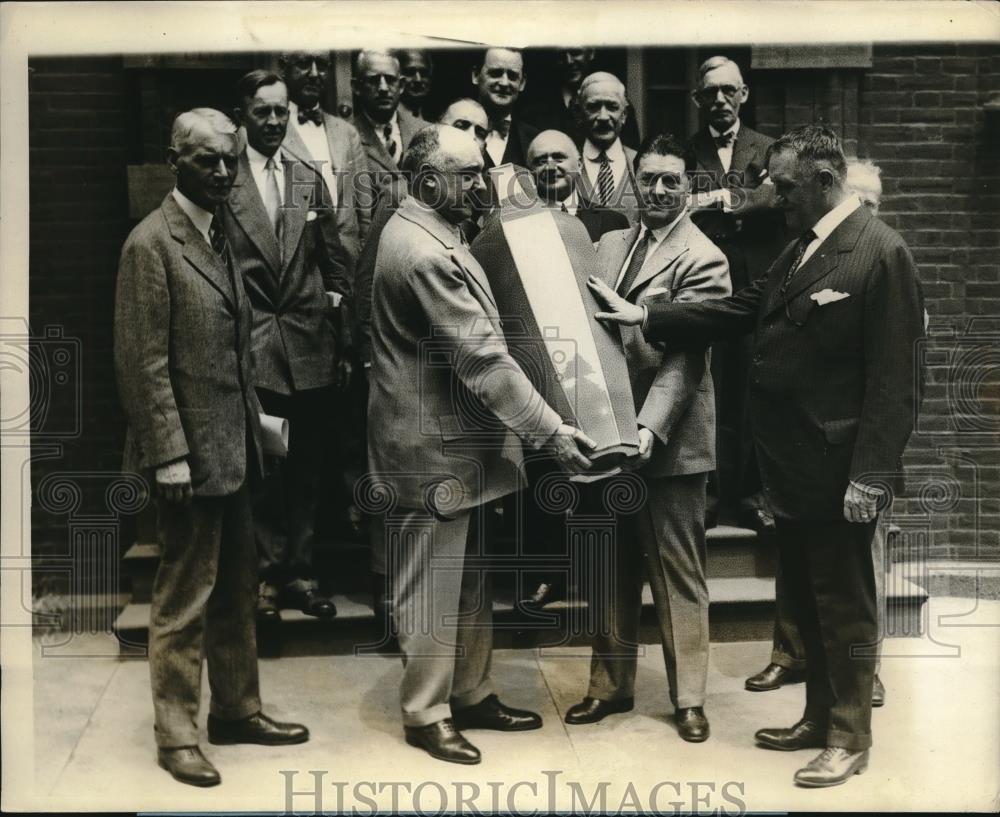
274 435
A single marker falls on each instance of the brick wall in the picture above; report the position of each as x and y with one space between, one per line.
919 113
78 204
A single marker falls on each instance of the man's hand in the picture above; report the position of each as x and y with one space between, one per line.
566 444
342 379
861 503
645 453
621 311
173 481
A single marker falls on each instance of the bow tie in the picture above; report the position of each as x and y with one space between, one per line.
724 140
501 127
314 115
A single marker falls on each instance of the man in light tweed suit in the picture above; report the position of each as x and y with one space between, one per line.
664 258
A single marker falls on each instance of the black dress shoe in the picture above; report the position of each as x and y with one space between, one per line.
545 593
257 728
878 692
772 677
831 767
309 602
692 725
804 735
443 741
267 604
592 710
489 713
188 765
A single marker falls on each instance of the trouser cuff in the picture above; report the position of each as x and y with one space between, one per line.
848 740
427 716
783 659
235 713
479 694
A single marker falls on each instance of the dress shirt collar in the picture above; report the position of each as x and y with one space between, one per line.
592 153
734 130
660 233
379 127
571 202
258 161
293 115
200 217
832 220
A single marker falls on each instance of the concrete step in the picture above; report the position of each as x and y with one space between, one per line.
742 609
732 553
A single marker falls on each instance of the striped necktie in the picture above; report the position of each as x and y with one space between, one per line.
805 240
605 180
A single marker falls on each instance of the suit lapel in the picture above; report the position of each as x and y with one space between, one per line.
298 199
743 152
373 145
197 252
669 249
620 246
708 156
248 208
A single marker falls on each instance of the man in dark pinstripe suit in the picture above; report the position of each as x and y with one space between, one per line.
832 393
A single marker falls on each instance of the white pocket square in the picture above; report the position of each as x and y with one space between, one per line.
311 215
655 291
828 296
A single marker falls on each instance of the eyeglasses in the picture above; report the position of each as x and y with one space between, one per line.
499 73
375 80
305 63
710 92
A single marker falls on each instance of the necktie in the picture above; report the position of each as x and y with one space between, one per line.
605 180
800 250
217 238
724 140
314 115
390 143
272 194
635 264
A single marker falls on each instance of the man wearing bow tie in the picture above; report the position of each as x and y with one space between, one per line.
835 322
333 144
499 78
734 205
607 178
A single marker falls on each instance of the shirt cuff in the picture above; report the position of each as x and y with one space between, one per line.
871 490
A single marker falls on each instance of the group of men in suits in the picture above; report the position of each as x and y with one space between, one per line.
299 235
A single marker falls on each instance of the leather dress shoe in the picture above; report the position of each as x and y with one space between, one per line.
443 741
592 710
878 692
831 767
257 728
803 735
188 765
267 603
772 677
692 725
489 713
310 602
545 593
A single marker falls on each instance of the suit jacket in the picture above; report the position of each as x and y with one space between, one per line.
182 356
672 389
409 123
447 403
753 234
294 345
832 387
349 162
625 198
516 152
599 220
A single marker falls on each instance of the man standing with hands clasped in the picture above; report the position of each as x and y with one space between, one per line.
832 394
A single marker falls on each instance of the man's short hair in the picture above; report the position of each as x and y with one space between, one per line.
466 99
250 83
864 176
812 143
423 149
716 62
481 60
602 76
186 122
400 53
661 144
370 52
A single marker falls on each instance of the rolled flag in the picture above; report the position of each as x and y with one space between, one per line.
538 261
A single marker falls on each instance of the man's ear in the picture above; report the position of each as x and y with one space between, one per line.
238 116
475 75
744 94
826 178
172 155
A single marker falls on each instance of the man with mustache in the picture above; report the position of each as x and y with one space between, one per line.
448 410
734 205
417 70
183 364
333 144
607 178
664 258
285 248
499 78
